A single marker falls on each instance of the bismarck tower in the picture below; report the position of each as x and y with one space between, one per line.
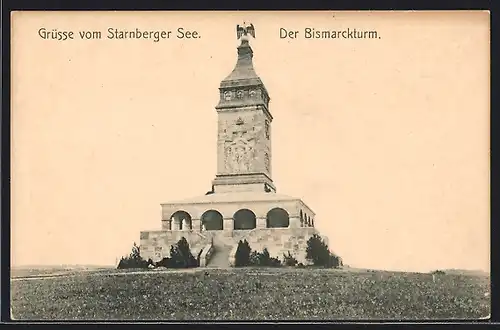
244 137
243 202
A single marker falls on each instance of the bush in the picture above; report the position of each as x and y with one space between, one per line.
334 262
289 260
162 263
254 258
264 259
165 262
317 251
242 256
134 260
274 262
438 272
181 256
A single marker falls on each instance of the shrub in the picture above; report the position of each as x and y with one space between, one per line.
181 256
334 261
289 260
163 262
438 272
242 256
134 260
259 258
264 259
317 251
254 258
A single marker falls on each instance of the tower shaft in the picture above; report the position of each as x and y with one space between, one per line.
244 129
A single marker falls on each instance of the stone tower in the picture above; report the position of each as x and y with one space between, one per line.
243 203
244 130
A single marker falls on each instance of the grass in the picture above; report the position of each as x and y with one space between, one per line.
53 271
251 294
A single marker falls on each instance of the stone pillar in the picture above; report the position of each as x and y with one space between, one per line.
185 225
294 222
228 225
196 224
175 225
166 224
261 223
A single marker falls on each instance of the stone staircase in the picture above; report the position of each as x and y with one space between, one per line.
222 249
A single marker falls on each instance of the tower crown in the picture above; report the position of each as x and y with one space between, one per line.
243 69
243 87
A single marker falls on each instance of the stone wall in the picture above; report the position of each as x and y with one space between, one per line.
156 244
279 241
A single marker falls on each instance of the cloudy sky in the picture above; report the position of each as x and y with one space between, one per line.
386 139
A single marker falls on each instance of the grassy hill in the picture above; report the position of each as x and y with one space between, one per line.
39 270
468 272
251 294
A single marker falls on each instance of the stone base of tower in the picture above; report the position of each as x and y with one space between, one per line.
155 245
254 182
277 222
279 242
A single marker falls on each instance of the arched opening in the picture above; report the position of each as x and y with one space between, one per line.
244 219
181 220
277 218
312 222
212 220
301 219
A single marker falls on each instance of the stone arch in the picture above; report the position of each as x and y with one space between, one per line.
212 220
301 219
244 219
277 218
177 220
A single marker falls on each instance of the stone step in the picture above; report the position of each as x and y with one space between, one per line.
220 258
223 241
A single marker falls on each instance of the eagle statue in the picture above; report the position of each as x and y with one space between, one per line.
244 30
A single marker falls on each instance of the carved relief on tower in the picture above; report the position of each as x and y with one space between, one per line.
228 95
243 94
240 94
267 162
240 146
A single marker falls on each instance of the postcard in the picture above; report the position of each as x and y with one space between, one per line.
259 166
